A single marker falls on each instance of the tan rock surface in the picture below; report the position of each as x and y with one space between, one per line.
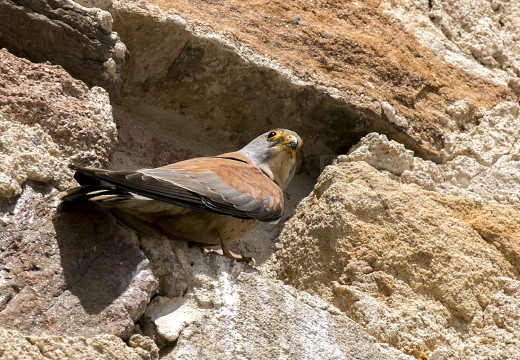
209 307
489 48
421 255
417 269
353 50
75 272
196 91
15 345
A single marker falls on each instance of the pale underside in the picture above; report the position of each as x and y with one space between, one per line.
156 218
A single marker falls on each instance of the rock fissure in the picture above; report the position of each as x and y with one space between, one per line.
90 265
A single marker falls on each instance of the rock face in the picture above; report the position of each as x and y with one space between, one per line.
47 117
14 345
407 246
207 76
421 270
355 55
53 267
489 49
79 39
211 307
54 264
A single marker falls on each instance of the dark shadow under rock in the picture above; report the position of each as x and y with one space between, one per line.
71 271
98 256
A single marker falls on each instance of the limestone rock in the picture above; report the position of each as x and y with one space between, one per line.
393 256
46 118
212 308
60 273
345 71
500 326
200 87
63 32
73 272
488 48
419 270
16 345
101 4
144 346
377 151
205 81
481 161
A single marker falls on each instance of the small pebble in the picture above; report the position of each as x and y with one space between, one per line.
36 140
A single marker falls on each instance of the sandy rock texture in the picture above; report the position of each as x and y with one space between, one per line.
354 54
15 345
211 307
429 273
209 72
47 119
481 160
488 48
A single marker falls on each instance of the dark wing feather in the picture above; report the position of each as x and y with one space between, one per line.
223 185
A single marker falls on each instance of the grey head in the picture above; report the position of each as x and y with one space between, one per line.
277 153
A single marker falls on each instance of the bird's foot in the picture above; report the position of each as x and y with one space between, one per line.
237 257
229 254
210 250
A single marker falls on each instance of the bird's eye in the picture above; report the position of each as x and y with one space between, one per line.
271 135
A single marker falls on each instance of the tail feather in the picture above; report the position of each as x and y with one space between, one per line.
94 193
87 176
93 189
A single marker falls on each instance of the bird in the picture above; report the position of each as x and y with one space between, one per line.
205 201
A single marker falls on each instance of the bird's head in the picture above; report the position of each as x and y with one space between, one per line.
277 153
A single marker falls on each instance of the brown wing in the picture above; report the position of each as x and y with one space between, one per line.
226 184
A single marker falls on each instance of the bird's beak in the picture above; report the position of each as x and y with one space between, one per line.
292 143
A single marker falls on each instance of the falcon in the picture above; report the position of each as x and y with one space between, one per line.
205 201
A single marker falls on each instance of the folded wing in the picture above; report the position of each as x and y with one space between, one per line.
227 185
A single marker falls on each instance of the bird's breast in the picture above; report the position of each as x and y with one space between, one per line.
204 228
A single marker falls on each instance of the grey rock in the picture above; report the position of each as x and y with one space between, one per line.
73 272
47 120
67 34
212 308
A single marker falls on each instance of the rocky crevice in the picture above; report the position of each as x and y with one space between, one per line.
421 254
